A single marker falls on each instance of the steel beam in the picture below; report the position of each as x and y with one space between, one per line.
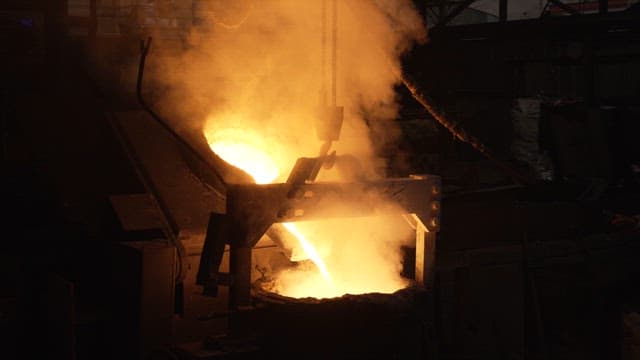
425 257
568 8
502 12
253 208
256 207
240 265
455 12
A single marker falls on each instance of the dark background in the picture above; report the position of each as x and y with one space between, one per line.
547 271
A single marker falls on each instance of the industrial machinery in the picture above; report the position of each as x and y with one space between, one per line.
214 214
209 210
196 216
253 208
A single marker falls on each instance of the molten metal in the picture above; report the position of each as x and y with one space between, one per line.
351 255
241 148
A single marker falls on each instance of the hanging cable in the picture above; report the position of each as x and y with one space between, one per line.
453 127
460 133
323 49
334 55
326 145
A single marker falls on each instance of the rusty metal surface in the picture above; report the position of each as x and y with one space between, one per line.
188 200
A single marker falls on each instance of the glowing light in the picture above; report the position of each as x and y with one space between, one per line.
242 148
309 249
348 255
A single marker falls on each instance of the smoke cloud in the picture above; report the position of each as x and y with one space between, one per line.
259 65
257 71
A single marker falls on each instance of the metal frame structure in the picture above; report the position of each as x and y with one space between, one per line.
245 211
444 11
252 209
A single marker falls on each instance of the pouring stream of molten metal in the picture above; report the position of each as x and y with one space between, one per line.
264 170
309 249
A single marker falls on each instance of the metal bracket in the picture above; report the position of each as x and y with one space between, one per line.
252 209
